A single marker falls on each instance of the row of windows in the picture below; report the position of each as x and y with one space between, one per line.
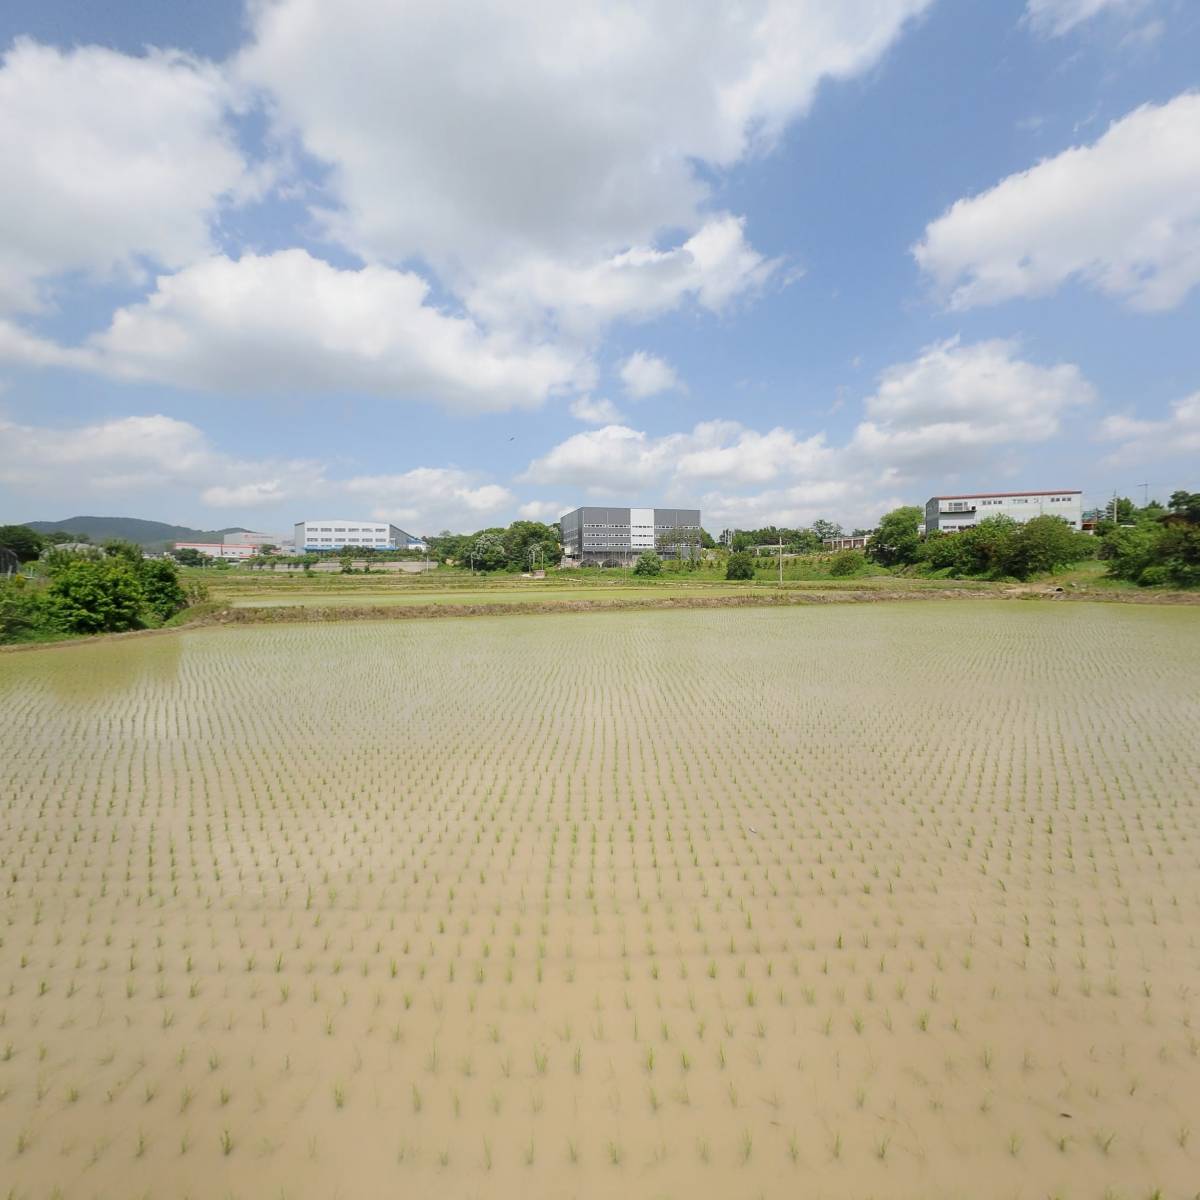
375 529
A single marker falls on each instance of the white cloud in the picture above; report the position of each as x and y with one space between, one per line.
245 495
1056 17
544 143
111 160
618 457
139 460
292 323
955 403
1122 215
142 455
646 374
426 499
1142 440
546 511
711 268
593 411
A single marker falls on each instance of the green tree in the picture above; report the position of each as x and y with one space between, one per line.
826 529
739 566
96 596
847 562
529 542
1186 504
648 563
24 542
897 541
487 551
188 556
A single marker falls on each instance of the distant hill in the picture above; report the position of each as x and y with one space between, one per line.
151 535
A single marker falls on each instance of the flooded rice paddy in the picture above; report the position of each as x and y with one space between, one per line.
896 900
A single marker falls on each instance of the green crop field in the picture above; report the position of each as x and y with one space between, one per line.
891 900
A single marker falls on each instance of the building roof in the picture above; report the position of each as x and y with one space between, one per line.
1004 495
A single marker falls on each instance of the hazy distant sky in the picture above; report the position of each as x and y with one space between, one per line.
449 263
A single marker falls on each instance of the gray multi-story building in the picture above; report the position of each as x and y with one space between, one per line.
616 536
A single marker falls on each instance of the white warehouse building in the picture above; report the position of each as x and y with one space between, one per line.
952 513
353 535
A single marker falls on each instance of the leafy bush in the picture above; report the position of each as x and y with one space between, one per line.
648 563
847 562
739 566
1045 544
96 597
161 589
1162 553
23 611
1000 546
93 595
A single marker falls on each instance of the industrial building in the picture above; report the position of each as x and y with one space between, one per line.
246 537
232 553
848 541
352 535
948 514
616 536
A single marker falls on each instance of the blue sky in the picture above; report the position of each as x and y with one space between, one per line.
448 264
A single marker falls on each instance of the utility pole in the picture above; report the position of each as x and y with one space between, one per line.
1114 516
781 560
1145 493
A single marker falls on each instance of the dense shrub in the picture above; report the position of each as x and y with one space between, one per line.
1165 552
23 611
96 597
739 566
847 562
648 563
1000 546
82 594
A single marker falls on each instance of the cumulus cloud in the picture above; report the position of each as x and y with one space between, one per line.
136 459
112 161
595 411
551 165
546 511
1056 17
711 268
618 457
288 322
429 498
1121 215
955 403
1142 440
469 134
143 455
644 374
